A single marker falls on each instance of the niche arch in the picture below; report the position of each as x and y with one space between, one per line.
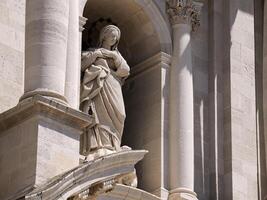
124 14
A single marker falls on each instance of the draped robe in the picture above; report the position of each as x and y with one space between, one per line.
101 96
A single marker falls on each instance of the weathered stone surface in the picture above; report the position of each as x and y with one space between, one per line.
12 26
39 139
240 152
39 105
223 51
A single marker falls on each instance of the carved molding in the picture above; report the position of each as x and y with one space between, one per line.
40 105
90 178
184 12
160 59
82 22
98 189
129 179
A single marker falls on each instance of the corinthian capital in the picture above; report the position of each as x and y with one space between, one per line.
184 11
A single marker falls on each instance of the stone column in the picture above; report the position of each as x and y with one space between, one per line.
46 48
72 85
184 18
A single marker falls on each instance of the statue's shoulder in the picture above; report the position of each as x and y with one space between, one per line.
87 52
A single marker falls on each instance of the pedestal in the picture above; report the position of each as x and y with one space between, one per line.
39 139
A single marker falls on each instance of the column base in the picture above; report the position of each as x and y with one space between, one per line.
45 93
182 194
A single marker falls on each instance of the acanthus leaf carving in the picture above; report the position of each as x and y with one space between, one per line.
184 12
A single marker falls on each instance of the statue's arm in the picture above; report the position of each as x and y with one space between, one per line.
123 69
88 58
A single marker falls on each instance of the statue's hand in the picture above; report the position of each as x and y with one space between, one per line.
108 53
98 54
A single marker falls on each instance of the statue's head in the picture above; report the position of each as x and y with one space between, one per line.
110 35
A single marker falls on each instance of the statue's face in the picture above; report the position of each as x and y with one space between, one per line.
111 37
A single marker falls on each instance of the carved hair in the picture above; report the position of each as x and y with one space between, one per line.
108 29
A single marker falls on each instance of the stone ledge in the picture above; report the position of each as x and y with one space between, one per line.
45 107
87 174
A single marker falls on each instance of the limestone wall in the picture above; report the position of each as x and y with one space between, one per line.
12 26
233 138
18 154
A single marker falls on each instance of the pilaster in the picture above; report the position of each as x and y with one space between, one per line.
73 68
240 137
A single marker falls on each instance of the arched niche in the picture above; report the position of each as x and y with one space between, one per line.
144 30
146 46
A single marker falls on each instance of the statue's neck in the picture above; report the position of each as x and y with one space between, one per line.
106 46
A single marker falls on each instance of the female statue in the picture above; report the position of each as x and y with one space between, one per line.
104 72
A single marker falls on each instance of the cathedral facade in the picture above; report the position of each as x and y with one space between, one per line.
173 107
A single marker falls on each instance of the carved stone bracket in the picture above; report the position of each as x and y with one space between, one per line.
184 12
129 179
94 191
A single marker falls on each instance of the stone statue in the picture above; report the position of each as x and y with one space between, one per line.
104 71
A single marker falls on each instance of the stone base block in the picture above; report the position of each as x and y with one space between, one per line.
182 194
39 139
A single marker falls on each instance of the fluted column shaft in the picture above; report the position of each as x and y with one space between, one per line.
183 16
46 48
72 86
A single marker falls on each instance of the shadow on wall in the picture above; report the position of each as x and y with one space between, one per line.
220 80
